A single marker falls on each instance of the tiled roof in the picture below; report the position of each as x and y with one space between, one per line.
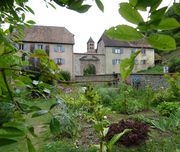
48 34
116 43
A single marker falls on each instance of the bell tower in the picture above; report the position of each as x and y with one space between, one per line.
90 46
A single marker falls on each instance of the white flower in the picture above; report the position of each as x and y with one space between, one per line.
47 91
35 82
105 117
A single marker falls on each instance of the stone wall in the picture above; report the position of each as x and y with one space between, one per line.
154 80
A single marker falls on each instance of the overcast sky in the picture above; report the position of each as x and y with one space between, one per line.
92 23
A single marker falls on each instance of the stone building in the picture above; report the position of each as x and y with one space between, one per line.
56 41
83 60
114 51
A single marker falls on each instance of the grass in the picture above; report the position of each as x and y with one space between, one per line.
158 69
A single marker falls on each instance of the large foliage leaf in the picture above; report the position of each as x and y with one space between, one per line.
115 138
54 125
158 14
127 65
162 42
130 14
168 24
124 32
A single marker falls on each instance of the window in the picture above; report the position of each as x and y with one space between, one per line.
115 61
59 48
117 50
40 46
136 62
21 46
143 62
59 61
143 52
133 50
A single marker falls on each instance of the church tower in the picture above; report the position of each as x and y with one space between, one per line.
90 46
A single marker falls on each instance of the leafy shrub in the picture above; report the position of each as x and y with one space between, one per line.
174 65
170 94
6 112
136 136
66 122
171 123
108 95
90 70
65 75
168 108
128 106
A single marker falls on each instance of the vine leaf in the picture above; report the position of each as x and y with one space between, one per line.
120 33
130 14
162 42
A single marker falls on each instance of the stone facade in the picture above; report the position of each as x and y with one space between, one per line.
156 81
58 43
82 60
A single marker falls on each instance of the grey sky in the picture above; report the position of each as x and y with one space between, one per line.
93 23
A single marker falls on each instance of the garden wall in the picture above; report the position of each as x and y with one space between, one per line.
154 80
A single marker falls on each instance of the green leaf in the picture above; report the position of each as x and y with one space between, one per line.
143 4
176 8
51 5
156 15
29 9
162 42
31 22
127 65
30 145
120 33
100 5
83 8
9 132
54 125
39 113
115 138
130 14
133 2
5 141
168 24
23 16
